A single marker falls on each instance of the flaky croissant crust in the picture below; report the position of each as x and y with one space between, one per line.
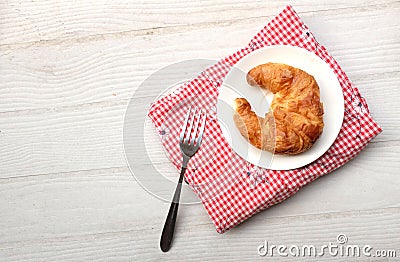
295 120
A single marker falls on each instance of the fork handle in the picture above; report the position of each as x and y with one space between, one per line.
169 226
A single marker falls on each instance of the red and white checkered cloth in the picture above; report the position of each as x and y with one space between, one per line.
230 188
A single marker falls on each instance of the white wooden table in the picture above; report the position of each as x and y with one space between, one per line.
68 70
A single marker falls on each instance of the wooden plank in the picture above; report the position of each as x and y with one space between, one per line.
53 141
199 243
41 21
90 137
104 214
112 69
84 202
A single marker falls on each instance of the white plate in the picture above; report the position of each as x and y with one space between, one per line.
235 85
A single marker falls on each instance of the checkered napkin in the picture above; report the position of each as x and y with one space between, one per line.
230 188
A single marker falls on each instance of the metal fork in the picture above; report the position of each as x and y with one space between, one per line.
189 141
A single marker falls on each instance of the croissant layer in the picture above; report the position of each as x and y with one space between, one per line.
295 120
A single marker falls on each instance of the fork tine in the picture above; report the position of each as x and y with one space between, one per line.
185 125
203 125
196 127
190 127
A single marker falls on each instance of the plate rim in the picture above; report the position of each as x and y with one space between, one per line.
339 122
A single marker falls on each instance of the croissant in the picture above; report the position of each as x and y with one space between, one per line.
295 120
